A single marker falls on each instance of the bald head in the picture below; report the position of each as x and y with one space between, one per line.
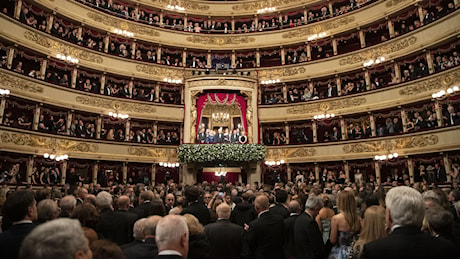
261 203
223 211
172 234
150 226
294 206
123 202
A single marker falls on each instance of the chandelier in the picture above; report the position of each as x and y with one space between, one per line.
220 173
220 117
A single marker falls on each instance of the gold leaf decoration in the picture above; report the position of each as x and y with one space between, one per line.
302 153
286 72
389 145
442 81
155 153
416 141
117 105
12 82
319 27
326 106
378 52
189 5
119 23
220 40
159 71
264 3
85 147
394 2
223 82
276 153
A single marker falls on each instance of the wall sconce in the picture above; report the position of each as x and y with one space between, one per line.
316 36
67 58
169 165
118 115
174 81
124 33
372 61
271 81
4 92
324 116
266 10
175 7
442 93
274 163
386 157
57 158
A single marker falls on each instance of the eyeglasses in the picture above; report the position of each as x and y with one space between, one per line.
207 197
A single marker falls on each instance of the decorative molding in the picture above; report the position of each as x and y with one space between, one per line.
223 82
377 52
155 153
160 72
301 153
284 72
48 143
188 5
318 28
446 80
326 106
119 24
264 3
220 40
394 2
116 105
285 153
389 145
12 82
61 47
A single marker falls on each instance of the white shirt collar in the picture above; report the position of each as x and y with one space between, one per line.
25 221
262 213
169 252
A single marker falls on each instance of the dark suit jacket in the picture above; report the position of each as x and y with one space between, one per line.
244 213
11 240
289 245
409 242
266 236
130 218
114 226
308 238
225 238
280 210
199 210
142 250
142 210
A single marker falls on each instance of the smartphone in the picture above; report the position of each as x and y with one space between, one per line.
221 194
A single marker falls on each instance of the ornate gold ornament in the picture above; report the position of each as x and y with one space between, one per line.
220 40
445 80
301 153
286 72
66 49
264 3
222 82
378 52
387 145
160 72
116 105
394 2
188 5
157 154
12 82
326 106
318 28
120 24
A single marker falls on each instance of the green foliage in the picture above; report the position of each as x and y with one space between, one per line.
200 153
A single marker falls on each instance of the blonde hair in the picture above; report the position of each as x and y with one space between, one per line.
346 204
194 226
373 227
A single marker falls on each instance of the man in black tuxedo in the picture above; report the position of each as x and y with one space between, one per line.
234 137
244 212
227 240
138 234
440 173
289 244
404 216
148 248
308 239
21 208
202 136
143 210
123 203
451 117
220 136
169 202
266 234
280 209
171 236
196 205
81 195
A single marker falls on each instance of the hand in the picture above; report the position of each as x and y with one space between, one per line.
246 227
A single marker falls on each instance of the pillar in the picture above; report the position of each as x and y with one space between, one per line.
334 46
43 66
159 54
94 172
49 25
283 56
285 93
161 18
124 172
208 59
372 122
136 10
256 19
397 71
80 31
73 77
153 173
456 3
131 87
127 128
36 117
30 167
18 9
410 167
404 120
155 132
289 172
2 108
308 47
233 59
185 21
10 57
367 78
346 168
233 24
343 128
447 166
133 49
338 83
157 93
377 172
257 58
286 130
315 131
69 122
362 38
98 127
429 61
391 28
103 77
317 170
438 110
63 172
184 57
106 42
420 13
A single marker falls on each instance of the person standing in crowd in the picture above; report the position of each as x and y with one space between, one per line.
143 210
404 216
148 247
266 233
67 205
373 229
244 212
196 206
289 243
280 209
171 236
170 201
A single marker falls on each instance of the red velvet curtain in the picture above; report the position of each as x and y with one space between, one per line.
221 98
229 177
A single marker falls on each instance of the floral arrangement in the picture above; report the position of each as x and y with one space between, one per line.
200 153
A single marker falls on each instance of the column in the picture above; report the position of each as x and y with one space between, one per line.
43 66
343 129
331 10
362 38
257 58
63 172
18 9
256 19
285 96
397 71
233 24
280 18
73 77
30 167
289 173
127 128
133 49
208 59
161 18
94 172
185 21
80 32
157 93
101 90
367 78
305 15
456 3
233 59
283 56
159 54
438 110
377 172
36 117
314 126
391 28
2 108
124 172
308 47
106 42
9 62
429 61
131 87
69 122
182 95
404 120
136 10
346 168
410 167
98 127
286 130
49 25
447 166
338 83
184 57
317 170
420 12
373 128
334 46
153 173
155 132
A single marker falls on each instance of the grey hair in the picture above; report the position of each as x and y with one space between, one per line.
47 210
430 195
150 225
138 229
223 211
170 230
68 203
104 200
313 202
406 206
59 238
